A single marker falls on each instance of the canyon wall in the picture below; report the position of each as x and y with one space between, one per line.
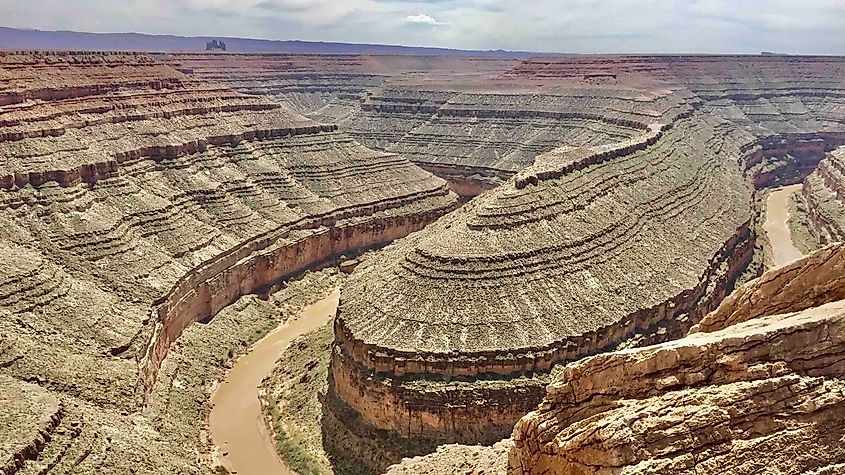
477 121
763 376
532 282
437 111
616 208
449 334
823 198
136 200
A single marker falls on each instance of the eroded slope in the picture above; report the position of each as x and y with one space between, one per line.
767 377
450 334
137 200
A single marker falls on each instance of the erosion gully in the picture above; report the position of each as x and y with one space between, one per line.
237 424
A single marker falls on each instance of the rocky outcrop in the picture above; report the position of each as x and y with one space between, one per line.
823 200
533 282
766 377
810 282
136 201
28 416
630 240
458 459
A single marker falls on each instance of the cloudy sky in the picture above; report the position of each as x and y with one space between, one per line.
579 26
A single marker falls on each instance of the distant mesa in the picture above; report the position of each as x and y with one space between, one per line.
215 45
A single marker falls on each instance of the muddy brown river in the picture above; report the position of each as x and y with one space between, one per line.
237 426
777 215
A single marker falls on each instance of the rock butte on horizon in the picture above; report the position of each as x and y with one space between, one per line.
617 202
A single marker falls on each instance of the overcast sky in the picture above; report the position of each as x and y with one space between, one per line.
579 26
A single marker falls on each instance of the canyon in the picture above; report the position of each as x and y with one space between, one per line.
547 229
453 333
138 201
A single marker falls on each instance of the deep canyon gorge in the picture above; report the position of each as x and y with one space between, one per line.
575 265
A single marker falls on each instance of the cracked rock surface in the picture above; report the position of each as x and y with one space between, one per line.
763 391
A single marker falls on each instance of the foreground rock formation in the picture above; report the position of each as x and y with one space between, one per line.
135 201
759 387
450 336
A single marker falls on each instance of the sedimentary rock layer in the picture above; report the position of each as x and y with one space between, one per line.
458 459
739 398
30 414
136 200
823 195
449 334
533 278
474 135
445 115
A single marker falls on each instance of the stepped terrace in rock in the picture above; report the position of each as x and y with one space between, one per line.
453 116
135 201
762 375
451 334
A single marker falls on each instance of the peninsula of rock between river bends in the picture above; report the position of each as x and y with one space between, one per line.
545 265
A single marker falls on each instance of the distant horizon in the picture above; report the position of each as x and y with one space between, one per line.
234 41
541 26
280 40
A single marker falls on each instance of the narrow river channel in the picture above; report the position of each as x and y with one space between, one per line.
777 215
237 425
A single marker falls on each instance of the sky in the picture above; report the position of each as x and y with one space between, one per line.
571 26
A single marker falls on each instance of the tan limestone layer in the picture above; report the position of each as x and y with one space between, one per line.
28 416
800 285
136 200
762 393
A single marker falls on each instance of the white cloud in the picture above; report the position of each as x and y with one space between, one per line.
578 26
423 19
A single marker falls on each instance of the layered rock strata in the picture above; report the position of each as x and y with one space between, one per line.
447 115
136 200
435 112
451 333
29 417
823 196
764 376
533 278
476 140
325 87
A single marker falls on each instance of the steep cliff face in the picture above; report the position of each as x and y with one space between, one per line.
822 202
586 247
135 201
535 276
760 376
766 377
